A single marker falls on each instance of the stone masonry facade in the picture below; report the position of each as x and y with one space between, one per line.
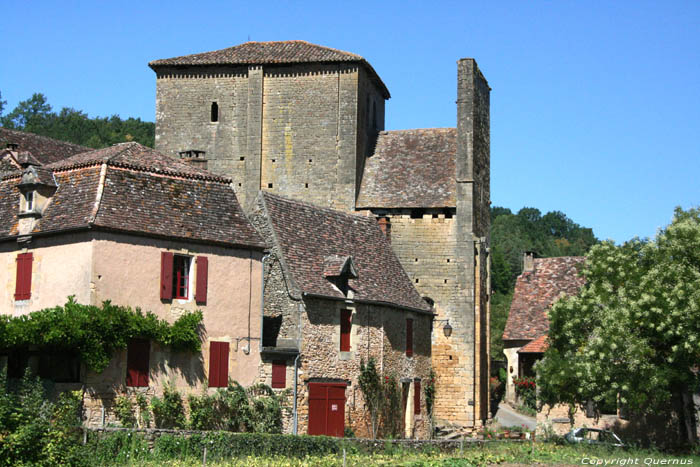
311 129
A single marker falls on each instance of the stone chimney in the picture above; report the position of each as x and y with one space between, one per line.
528 261
195 158
385 226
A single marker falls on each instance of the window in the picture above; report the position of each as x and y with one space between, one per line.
279 374
137 356
214 112
60 367
181 276
409 337
345 328
218 364
23 284
175 272
29 201
416 397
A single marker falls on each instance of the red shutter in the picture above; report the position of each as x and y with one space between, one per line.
23 284
200 294
416 397
137 357
345 328
218 364
166 275
409 337
279 374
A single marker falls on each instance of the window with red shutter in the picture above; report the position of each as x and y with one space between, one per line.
345 328
409 337
181 277
200 294
23 284
416 397
218 364
166 275
137 358
279 374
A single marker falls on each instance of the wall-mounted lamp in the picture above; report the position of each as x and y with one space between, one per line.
447 329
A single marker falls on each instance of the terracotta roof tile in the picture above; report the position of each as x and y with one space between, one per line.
308 235
139 157
263 53
535 291
46 150
144 192
539 345
411 169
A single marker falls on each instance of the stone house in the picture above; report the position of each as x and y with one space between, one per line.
307 122
134 226
336 295
541 283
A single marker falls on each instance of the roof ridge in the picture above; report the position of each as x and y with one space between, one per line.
317 207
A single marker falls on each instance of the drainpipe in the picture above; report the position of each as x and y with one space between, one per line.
296 376
262 300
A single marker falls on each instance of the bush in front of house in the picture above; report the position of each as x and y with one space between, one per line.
526 390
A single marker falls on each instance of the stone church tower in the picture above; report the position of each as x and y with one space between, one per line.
307 122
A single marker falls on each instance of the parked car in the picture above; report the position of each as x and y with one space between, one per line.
593 436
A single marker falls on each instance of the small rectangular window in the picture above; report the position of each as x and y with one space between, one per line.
279 374
23 284
345 329
409 337
181 276
137 360
29 201
218 364
214 112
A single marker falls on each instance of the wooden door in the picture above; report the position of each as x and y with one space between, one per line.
327 409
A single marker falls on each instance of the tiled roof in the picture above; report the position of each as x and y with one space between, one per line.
411 169
44 149
535 291
138 157
539 345
308 235
263 53
141 194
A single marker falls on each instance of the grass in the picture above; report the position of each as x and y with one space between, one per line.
491 454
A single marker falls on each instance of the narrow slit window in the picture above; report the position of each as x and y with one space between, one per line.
214 112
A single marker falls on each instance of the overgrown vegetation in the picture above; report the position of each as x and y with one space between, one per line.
96 332
633 331
382 398
35 430
525 389
35 115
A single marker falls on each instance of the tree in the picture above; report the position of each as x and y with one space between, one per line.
633 332
2 105
28 114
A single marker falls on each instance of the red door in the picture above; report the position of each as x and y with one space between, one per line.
327 409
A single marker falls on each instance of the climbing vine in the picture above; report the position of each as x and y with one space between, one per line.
96 332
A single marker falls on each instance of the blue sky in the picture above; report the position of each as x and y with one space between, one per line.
594 108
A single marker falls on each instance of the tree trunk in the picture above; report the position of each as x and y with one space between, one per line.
685 410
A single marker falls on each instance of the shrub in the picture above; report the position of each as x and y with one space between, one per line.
144 410
203 413
525 389
124 411
168 412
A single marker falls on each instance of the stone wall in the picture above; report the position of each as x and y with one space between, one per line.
301 131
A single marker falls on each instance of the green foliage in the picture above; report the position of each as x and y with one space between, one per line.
525 389
35 115
634 330
168 412
500 306
144 410
34 430
124 411
429 392
202 412
391 409
372 391
553 234
95 332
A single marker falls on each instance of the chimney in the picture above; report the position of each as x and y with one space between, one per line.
528 261
473 147
385 225
195 158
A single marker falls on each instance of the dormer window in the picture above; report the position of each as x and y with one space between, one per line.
29 201
339 270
